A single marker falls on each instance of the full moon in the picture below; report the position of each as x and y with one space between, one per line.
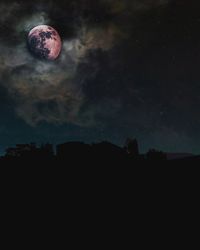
44 42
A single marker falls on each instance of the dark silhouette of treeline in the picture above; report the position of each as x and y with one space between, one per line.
76 152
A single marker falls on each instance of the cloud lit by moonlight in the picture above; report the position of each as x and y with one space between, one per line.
48 91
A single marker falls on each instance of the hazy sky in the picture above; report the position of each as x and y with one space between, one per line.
128 68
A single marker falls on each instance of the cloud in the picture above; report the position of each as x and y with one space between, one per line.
119 6
148 4
6 11
26 24
42 91
49 91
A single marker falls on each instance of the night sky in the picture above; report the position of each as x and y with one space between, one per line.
128 68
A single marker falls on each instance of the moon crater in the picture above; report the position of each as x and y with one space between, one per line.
44 42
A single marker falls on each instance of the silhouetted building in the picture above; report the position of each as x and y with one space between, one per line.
154 155
81 153
73 150
107 149
47 149
77 151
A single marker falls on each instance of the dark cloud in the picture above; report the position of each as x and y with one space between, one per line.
127 67
34 83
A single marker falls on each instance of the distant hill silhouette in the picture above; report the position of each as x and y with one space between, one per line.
176 156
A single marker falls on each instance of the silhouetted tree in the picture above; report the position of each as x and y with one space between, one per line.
21 150
30 151
132 147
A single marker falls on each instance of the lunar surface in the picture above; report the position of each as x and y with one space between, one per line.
44 42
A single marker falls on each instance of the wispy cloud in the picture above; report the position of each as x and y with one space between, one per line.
49 91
